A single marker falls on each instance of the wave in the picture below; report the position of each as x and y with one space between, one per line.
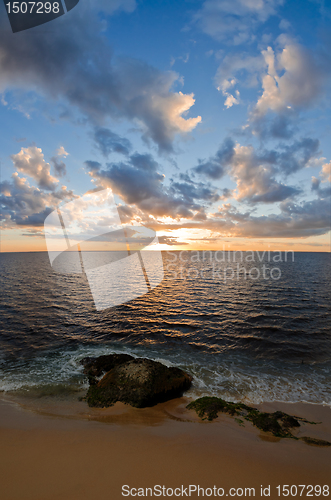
232 377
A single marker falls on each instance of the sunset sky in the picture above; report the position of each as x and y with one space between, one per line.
209 120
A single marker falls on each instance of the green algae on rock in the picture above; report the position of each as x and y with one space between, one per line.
315 442
278 423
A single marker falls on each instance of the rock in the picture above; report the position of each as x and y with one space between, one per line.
278 423
139 382
315 442
95 367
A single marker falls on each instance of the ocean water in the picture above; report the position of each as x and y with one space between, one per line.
243 337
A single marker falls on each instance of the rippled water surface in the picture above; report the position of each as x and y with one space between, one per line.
245 338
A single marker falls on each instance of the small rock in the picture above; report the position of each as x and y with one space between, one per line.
315 442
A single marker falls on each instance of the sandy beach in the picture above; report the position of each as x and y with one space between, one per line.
68 452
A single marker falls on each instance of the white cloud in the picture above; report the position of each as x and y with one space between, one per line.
231 100
31 162
61 152
300 85
172 108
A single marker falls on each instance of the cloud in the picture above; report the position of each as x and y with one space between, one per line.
31 161
59 165
284 24
242 63
283 125
170 241
215 167
25 205
325 177
140 187
134 185
111 6
109 142
234 20
74 65
298 155
311 218
93 165
256 182
140 184
326 172
250 66
61 152
144 162
194 191
230 99
255 171
295 221
292 79
322 192
301 83
150 100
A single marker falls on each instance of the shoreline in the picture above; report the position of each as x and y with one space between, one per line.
71 405
94 452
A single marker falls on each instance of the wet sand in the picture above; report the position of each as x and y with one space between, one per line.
56 450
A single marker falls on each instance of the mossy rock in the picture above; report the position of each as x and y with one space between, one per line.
278 423
139 382
315 442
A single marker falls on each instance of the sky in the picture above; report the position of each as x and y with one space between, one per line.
209 120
